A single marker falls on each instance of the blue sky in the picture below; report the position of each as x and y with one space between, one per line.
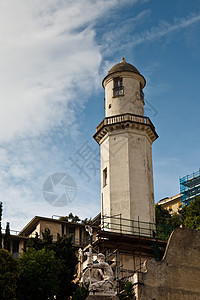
53 57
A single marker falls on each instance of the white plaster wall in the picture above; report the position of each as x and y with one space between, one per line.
105 191
141 177
127 155
130 102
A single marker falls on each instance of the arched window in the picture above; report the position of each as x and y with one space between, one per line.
118 89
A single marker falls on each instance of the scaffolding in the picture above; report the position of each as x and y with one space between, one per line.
126 245
117 224
189 187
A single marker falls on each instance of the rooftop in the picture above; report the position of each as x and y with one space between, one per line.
123 66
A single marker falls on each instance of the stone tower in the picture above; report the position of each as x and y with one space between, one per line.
125 137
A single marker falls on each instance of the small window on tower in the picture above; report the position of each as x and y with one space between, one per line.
118 89
105 177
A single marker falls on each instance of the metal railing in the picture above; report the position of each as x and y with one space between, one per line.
124 118
117 224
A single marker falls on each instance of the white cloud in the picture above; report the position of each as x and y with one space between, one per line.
164 28
48 57
48 52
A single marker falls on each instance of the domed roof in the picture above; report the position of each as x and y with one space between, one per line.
123 66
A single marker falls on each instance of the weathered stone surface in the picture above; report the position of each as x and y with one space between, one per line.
98 297
176 277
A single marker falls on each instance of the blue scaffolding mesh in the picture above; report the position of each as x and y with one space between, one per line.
189 187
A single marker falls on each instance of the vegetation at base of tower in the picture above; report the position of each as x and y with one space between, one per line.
188 217
9 275
1 209
127 291
64 254
7 237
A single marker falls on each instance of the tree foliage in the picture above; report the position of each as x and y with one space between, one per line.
191 214
162 215
7 237
188 216
70 218
39 275
64 253
9 275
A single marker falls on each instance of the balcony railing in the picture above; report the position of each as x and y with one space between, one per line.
117 224
124 118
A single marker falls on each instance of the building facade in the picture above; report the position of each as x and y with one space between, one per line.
172 204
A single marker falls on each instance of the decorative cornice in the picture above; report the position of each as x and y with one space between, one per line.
125 121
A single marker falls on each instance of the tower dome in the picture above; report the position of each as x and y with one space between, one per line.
123 66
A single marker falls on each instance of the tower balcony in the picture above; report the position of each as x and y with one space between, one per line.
125 121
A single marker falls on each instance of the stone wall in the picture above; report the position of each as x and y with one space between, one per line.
177 275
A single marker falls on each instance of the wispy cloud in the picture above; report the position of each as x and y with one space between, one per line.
123 35
116 36
164 29
48 55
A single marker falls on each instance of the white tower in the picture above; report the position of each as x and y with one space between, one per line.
125 137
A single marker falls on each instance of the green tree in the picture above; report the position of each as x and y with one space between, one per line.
163 222
162 215
70 218
176 220
191 214
1 209
39 275
65 254
38 244
34 243
9 275
7 237
47 239
188 216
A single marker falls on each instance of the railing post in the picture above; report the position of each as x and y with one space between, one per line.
139 225
121 223
149 230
